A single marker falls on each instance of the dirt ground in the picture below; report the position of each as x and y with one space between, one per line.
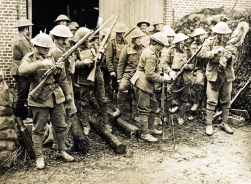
196 158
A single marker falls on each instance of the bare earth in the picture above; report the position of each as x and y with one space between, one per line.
197 158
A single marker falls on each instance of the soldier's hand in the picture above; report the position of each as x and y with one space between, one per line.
88 62
118 81
218 50
68 98
47 63
172 74
113 74
227 54
60 65
167 78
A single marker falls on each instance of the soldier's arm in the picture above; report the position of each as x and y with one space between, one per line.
109 57
168 60
121 63
150 70
206 52
24 47
28 67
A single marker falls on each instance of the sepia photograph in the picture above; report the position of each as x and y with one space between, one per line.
125 92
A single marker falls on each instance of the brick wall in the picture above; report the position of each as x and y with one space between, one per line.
184 7
10 11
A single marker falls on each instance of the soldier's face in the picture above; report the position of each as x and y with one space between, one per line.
143 27
27 31
170 39
222 37
62 22
42 50
137 41
158 27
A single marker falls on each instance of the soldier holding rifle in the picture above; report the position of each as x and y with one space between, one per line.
34 65
143 80
219 80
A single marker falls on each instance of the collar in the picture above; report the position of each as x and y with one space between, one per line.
59 45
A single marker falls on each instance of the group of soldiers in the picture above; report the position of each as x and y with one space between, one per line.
134 67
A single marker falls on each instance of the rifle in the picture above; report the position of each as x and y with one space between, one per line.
183 67
243 112
163 118
27 141
101 51
38 89
171 120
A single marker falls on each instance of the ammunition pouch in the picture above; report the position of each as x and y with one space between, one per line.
46 92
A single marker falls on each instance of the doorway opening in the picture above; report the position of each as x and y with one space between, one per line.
45 12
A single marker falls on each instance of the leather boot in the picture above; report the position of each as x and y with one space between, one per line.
120 104
38 144
224 124
61 147
103 110
151 126
209 119
143 120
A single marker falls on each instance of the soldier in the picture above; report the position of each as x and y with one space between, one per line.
88 89
51 98
114 48
143 80
157 25
199 36
61 34
127 65
62 20
143 24
72 28
177 56
219 82
21 45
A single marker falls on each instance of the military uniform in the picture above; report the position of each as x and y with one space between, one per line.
219 83
114 48
21 45
49 104
175 60
143 80
127 65
89 90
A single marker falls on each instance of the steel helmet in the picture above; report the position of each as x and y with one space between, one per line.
104 31
80 33
198 31
120 28
62 17
75 24
136 33
169 32
180 37
61 31
72 27
157 22
23 23
43 40
221 28
160 38
164 28
143 21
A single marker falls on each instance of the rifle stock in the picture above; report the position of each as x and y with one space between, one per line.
25 135
100 53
